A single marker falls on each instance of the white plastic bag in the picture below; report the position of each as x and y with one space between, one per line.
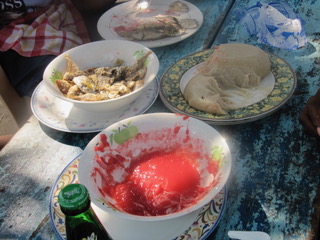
275 24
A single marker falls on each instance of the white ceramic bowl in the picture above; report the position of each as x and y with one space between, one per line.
102 54
149 133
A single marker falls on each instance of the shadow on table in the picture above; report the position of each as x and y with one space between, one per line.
73 139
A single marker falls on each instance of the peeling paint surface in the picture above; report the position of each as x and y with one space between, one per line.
274 183
275 177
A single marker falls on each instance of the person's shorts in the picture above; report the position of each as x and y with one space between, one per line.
24 73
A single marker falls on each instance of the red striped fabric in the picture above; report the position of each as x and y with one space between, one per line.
51 30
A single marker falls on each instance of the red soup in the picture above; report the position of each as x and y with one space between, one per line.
158 180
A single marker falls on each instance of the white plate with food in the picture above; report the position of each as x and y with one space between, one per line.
272 91
63 116
163 23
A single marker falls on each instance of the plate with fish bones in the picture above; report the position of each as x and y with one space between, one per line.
163 23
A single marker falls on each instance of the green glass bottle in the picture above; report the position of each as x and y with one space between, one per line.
80 220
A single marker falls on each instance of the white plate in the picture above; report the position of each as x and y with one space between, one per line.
63 116
125 15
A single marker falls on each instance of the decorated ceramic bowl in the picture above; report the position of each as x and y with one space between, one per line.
155 168
106 53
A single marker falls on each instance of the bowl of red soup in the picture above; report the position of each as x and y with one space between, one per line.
154 171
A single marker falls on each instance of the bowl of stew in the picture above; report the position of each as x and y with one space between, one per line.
155 168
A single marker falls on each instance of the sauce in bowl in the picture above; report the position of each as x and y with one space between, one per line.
154 173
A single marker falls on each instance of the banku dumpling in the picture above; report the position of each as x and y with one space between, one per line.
237 65
233 66
203 93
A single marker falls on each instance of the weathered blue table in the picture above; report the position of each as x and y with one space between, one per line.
274 184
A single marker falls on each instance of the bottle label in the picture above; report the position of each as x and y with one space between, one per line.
93 236
87 231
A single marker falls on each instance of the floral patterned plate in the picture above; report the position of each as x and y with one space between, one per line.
283 86
62 116
204 224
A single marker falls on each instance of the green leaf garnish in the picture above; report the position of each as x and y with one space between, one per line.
55 76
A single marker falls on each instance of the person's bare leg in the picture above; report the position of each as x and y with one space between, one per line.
4 140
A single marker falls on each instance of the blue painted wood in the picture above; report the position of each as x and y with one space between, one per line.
275 178
31 162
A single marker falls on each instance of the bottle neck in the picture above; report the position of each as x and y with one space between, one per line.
85 225
75 212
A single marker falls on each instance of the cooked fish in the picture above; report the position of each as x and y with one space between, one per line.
102 83
178 6
63 85
159 26
85 84
152 29
189 23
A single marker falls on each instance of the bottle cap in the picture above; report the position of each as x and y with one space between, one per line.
74 198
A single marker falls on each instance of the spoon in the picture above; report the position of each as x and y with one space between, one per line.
249 235
143 4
